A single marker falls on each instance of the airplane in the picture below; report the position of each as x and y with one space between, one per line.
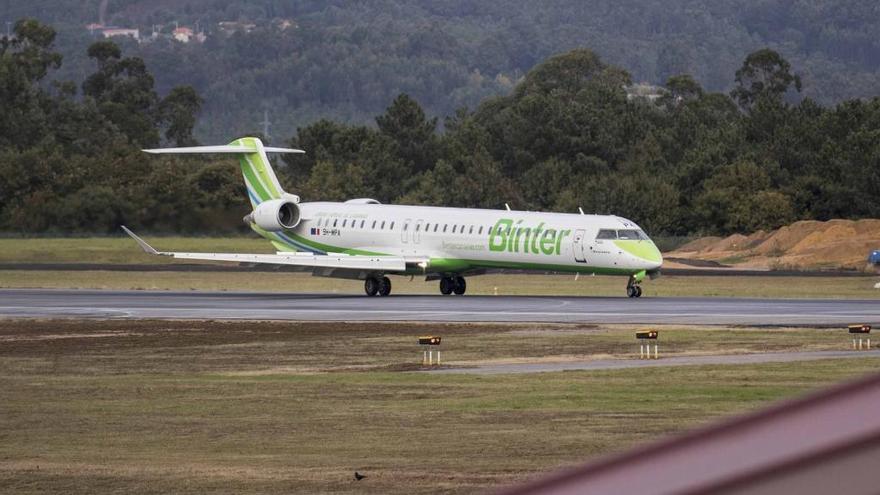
365 240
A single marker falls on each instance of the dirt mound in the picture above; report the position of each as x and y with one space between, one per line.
805 245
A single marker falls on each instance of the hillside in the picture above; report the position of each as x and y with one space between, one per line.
347 60
806 245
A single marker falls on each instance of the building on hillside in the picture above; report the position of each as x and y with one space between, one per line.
112 31
645 91
185 35
230 27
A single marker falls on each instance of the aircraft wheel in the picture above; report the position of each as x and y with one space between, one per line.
371 286
460 286
638 291
446 285
631 291
384 286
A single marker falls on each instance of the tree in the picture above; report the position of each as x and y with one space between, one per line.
122 88
178 110
764 74
405 122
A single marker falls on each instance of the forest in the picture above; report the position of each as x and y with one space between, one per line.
567 135
346 60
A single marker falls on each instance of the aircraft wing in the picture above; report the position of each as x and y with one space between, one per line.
339 260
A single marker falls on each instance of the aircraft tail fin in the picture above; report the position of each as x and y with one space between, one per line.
262 184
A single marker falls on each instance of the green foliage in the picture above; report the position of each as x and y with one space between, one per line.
568 135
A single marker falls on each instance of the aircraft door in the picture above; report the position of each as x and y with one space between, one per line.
417 235
577 246
404 232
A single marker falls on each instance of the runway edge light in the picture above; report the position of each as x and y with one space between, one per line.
859 332
860 328
427 353
645 347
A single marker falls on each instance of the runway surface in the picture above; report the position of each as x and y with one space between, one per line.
275 306
617 364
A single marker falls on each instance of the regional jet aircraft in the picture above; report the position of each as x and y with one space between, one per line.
365 240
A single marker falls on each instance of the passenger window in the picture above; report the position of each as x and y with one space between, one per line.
471 230
335 221
436 225
481 230
391 227
445 225
362 223
453 228
383 225
404 226
418 226
344 222
374 225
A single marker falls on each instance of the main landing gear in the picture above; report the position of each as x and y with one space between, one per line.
456 284
377 285
633 289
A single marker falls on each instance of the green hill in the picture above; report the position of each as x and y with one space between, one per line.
347 60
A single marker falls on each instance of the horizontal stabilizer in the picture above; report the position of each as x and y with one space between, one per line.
220 149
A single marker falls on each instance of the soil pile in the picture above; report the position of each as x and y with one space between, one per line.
806 245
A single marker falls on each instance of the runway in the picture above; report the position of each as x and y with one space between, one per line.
334 307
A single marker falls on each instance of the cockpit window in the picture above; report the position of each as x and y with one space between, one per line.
632 235
607 234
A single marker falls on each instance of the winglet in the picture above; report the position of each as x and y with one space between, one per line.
142 243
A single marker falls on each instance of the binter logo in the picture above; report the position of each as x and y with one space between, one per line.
511 236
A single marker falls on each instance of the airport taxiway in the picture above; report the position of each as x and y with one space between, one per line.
618 364
62 303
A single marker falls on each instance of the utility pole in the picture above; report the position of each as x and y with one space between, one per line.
266 125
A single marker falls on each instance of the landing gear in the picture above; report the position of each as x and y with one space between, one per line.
375 285
384 286
371 286
449 285
632 289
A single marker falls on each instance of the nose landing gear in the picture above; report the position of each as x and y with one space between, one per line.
633 289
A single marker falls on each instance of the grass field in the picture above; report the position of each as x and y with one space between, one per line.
123 250
500 284
256 407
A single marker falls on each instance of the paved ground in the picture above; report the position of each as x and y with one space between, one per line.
225 305
616 364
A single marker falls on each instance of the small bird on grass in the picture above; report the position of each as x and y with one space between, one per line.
358 476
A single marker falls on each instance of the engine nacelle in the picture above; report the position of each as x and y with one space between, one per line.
275 215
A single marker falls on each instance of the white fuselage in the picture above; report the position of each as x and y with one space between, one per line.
461 239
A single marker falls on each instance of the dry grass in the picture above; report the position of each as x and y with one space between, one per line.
255 407
506 284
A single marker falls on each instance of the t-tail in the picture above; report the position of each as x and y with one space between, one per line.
274 209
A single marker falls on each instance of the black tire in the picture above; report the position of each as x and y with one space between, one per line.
638 291
459 286
446 286
384 286
631 291
371 286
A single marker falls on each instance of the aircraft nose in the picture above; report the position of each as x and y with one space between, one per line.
652 257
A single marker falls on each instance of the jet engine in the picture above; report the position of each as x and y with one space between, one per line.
275 215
